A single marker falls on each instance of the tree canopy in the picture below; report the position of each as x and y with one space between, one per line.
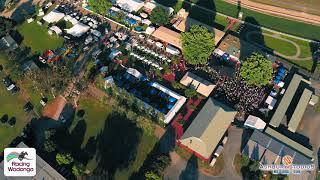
64 158
159 16
256 70
5 26
78 169
100 6
197 45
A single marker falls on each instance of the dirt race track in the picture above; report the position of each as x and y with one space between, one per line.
307 6
279 11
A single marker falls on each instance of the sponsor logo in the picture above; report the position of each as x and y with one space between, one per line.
20 162
287 166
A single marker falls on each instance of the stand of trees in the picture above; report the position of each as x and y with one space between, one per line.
100 6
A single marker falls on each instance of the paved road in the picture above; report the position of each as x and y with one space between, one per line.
182 169
278 11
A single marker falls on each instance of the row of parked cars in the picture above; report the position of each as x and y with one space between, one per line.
10 85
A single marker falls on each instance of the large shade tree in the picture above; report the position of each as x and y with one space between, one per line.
100 6
256 70
197 45
159 16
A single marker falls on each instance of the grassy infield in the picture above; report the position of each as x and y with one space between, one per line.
276 23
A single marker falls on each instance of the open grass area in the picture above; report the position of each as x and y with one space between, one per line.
304 46
283 47
11 105
37 38
96 117
308 6
305 64
203 166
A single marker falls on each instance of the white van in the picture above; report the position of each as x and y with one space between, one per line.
172 50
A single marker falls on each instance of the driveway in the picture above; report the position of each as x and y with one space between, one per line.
184 169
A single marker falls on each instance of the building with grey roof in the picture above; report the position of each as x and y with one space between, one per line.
289 142
44 170
207 129
272 150
299 111
282 114
8 42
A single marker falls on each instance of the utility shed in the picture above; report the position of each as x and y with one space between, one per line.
285 101
298 147
299 111
208 128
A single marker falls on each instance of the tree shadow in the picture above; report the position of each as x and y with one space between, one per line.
204 17
160 149
81 113
251 34
116 144
16 36
191 171
4 119
22 12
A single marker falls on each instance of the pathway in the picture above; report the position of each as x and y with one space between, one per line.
276 36
278 11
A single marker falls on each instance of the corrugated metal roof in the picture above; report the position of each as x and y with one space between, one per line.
207 129
289 142
299 111
274 149
285 102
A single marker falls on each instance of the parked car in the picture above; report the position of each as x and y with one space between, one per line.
15 90
11 87
172 50
7 81
141 36
150 41
43 101
28 107
160 45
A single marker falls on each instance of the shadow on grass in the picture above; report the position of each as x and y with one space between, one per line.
116 144
191 171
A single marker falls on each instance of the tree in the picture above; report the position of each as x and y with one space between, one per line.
190 93
5 26
78 169
49 146
159 16
100 6
256 70
12 121
65 158
245 160
151 176
197 45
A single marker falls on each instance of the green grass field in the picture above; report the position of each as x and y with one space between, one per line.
278 45
37 37
95 116
308 6
12 105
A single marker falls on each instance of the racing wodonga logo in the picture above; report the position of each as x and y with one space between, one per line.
20 162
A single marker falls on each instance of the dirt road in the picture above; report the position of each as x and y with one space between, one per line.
278 11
